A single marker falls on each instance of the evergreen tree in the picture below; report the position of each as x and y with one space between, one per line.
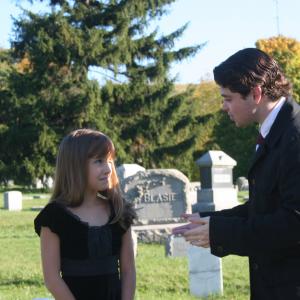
148 122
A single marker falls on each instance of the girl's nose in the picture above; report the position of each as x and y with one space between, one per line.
107 168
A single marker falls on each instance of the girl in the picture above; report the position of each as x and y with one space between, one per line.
85 228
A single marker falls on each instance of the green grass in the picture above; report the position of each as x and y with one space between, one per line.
242 196
158 277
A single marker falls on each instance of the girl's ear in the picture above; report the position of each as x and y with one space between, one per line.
257 94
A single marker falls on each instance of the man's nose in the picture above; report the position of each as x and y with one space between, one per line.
224 106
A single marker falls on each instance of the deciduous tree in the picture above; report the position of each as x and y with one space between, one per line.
287 52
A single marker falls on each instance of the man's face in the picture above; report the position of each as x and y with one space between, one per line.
240 110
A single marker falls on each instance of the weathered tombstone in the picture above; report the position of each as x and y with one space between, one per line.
48 182
159 195
38 184
127 170
176 246
242 183
10 183
134 242
12 200
205 272
217 190
193 191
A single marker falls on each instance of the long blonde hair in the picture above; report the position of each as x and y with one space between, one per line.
71 171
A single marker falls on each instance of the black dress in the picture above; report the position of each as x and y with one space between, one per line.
89 254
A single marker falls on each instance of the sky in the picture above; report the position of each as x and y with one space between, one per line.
225 25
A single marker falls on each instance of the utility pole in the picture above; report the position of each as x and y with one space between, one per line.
277 17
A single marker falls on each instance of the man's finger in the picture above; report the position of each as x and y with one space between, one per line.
202 244
192 238
198 230
197 220
186 216
183 228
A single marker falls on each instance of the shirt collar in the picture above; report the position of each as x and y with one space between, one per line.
269 120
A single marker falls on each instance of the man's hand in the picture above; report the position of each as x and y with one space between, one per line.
180 230
199 235
196 232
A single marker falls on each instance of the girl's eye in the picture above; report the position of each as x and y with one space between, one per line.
103 160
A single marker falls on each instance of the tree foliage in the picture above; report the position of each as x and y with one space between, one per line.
50 93
287 52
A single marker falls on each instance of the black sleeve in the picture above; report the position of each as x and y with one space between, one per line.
47 217
237 211
265 233
129 215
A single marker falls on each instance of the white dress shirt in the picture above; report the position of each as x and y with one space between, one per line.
265 127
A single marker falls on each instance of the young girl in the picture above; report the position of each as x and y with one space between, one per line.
85 228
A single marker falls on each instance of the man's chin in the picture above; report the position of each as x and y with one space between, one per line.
240 125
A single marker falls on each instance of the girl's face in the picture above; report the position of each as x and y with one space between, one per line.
99 174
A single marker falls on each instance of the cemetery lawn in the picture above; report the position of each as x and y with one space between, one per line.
158 277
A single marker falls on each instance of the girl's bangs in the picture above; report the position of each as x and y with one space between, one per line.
101 146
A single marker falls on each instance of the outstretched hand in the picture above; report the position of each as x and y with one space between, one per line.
193 218
196 232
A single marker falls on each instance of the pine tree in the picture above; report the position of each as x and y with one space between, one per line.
149 124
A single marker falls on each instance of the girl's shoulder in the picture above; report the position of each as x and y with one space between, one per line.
128 216
52 208
49 217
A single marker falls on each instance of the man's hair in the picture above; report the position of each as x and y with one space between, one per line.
252 67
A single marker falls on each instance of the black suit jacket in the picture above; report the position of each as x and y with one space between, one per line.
267 227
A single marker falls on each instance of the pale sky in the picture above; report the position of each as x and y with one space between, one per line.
226 25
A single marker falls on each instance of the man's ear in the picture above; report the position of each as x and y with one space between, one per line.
257 94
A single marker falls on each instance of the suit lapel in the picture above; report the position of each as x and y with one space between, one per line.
259 153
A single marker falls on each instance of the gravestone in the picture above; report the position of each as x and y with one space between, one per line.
127 170
217 190
242 184
205 272
49 182
176 246
13 200
38 184
134 242
159 195
195 187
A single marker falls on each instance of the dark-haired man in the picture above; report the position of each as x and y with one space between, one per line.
267 227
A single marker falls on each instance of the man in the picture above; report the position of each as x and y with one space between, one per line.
267 227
